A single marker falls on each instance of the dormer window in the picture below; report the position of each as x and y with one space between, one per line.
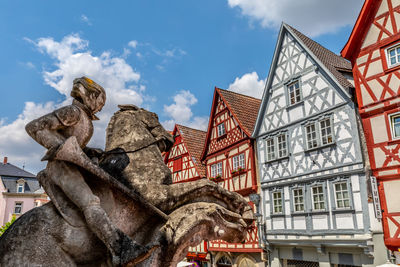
20 186
221 129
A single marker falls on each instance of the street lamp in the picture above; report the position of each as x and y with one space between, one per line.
261 227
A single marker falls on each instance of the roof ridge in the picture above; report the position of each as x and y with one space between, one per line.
194 129
338 56
229 91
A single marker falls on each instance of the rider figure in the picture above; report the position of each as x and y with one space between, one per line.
51 131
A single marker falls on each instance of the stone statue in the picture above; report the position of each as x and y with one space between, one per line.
116 207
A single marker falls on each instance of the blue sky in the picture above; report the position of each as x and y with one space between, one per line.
166 56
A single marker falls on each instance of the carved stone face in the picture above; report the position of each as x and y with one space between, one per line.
89 93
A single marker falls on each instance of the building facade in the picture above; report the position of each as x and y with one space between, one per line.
19 192
310 158
374 50
183 159
230 161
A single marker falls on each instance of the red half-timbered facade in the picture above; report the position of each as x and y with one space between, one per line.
183 159
374 50
229 154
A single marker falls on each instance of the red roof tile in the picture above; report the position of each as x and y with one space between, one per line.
334 63
194 141
244 107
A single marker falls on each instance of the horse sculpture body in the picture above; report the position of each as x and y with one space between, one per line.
56 234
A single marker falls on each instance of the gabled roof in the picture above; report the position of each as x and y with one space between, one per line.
193 140
334 63
364 20
331 63
11 170
242 107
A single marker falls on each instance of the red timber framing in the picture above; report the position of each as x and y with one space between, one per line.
377 83
229 154
183 159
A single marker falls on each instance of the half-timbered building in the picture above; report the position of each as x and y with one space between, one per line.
374 50
313 182
230 161
183 159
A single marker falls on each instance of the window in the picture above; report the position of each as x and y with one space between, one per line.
318 197
326 131
177 164
294 92
216 169
277 147
224 261
311 136
395 125
221 129
277 200
18 208
282 150
20 188
270 149
238 162
393 55
298 199
319 133
342 195
37 203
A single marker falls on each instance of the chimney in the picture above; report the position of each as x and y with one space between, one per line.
5 160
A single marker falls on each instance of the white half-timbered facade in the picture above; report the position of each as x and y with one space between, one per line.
313 183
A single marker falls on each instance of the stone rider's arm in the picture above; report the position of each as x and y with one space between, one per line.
45 130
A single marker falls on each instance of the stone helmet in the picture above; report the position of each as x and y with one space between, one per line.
89 93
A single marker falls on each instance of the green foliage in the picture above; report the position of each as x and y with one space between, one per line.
5 227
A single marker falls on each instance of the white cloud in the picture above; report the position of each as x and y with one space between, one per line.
133 43
85 19
180 112
71 59
249 84
312 17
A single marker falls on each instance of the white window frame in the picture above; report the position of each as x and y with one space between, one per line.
238 162
397 56
318 133
275 204
342 199
18 205
391 123
319 201
20 186
216 169
330 128
270 149
274 143
296 91
285 144
221 131
307 135
297 197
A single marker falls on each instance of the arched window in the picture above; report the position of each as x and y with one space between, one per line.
246 262
224 262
